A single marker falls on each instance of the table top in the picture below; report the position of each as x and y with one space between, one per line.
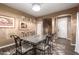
34 39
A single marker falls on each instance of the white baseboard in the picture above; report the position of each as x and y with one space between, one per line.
72 44
7 45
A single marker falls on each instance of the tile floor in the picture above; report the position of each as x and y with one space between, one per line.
60 47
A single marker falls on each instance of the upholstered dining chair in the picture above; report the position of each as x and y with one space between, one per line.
44 47
50 38
20 47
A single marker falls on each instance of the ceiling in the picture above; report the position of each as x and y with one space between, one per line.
46 8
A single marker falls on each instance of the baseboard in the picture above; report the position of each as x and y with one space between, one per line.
61 38
7 45
64 38
72 44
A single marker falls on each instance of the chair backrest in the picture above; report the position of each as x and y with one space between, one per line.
49 39
53 36
17 40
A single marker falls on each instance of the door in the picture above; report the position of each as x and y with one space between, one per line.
62 27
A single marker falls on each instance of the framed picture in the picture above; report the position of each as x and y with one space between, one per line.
23 25
6 21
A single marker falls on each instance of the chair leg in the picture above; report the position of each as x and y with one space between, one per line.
49 51
44 52
16 52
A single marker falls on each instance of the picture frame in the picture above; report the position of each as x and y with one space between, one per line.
23 25
6 21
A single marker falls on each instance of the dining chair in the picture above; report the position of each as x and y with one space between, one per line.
50 38
20 47
52 41
44 46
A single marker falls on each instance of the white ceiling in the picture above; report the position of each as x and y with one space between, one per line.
46 8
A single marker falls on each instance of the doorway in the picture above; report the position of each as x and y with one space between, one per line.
47 25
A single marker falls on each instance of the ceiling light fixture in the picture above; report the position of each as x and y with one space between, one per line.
36 7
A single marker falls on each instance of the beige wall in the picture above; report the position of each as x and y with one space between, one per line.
18 16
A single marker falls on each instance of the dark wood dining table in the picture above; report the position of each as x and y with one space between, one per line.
34 40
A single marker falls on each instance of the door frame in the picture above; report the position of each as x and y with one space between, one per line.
49 18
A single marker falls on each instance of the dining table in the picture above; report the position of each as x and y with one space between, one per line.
34 41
